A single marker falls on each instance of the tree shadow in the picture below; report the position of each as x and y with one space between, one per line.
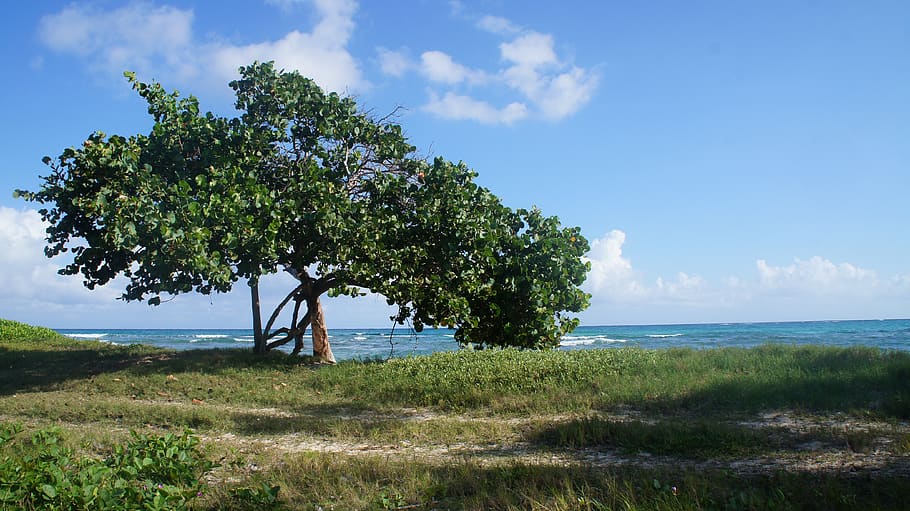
853 380
327 421
28 370
473 484
681 438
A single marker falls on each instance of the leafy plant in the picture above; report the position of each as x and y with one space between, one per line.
150 473
262 496
13 331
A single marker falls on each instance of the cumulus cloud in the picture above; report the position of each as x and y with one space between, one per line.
613 279
28 278
439 67
393 63
138 36
457 107
684 287
818 275
814 288
158 41
35 293
611 273
497 25
558 94
532 71
531 50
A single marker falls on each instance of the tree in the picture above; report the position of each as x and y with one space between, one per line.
305 183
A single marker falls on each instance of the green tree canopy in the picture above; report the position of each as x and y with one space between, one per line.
303 182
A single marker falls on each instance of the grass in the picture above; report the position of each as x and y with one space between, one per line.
499 429
505 382
341 482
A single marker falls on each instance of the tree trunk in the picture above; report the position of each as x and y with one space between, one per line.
298 339
321 349
259 343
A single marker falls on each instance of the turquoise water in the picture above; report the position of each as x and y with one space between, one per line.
382 342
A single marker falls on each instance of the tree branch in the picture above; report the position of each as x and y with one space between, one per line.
289 333
268 326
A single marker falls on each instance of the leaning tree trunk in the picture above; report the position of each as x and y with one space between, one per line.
322 351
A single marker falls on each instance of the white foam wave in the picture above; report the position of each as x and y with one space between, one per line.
359 338
577 342
244 338
210 336
588 339
86 336
661 336
583 337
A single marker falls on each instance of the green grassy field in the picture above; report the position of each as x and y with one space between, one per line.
774 427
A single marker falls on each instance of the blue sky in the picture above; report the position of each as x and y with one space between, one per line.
729 161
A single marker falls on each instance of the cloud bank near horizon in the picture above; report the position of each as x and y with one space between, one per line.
814 288
806 289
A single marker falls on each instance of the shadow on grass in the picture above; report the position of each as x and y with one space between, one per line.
736 381
327 423
813 380
355 482
44 369
698 439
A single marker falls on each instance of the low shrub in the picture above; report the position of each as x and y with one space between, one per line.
149 472
15 331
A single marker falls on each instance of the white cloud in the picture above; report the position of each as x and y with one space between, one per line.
158 42
497 25
439 67
33 292
458 107
329 64
900 282
138 36
545 85
557 94
29 280
612 278
530 50
818 276
816 288
685 287
611 273
564 94
393 63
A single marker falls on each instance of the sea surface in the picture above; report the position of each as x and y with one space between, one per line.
371 343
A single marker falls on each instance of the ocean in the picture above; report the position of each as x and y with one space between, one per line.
372 343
